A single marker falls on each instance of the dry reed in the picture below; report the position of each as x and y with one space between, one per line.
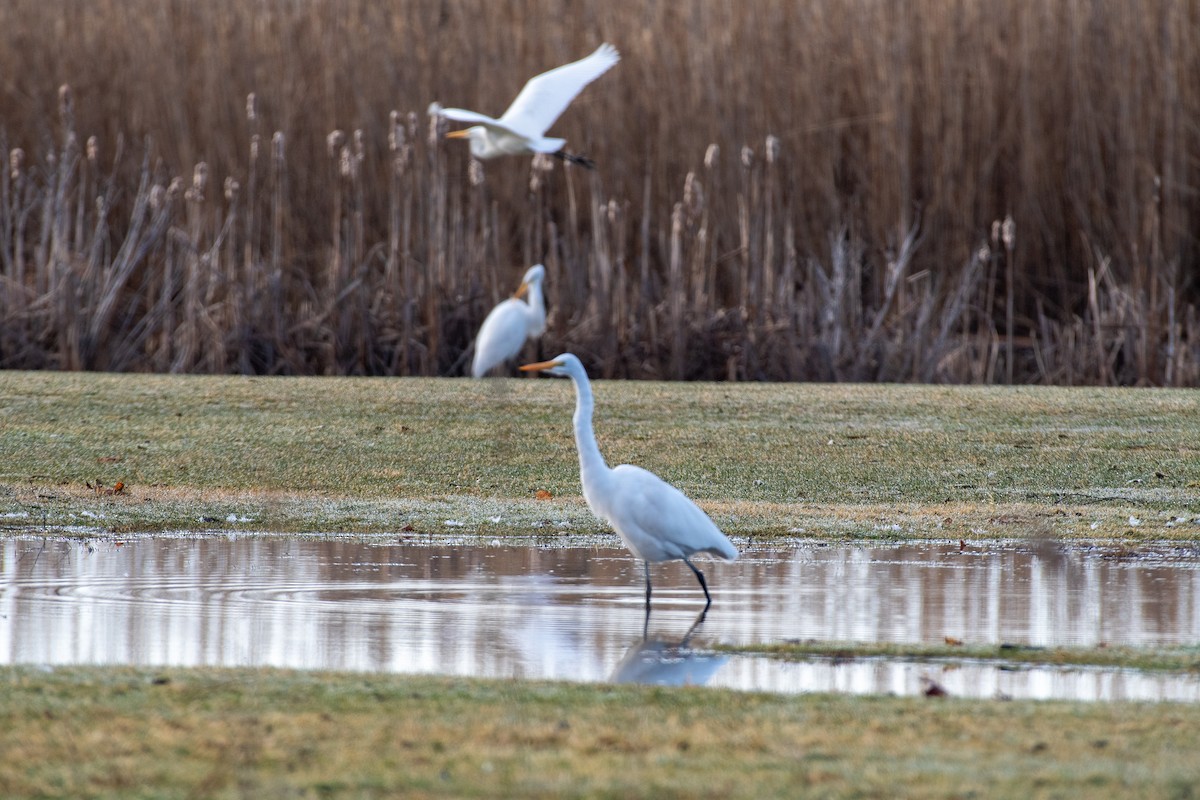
832 190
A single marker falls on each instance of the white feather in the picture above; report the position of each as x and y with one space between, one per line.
656 521
521 129
509 324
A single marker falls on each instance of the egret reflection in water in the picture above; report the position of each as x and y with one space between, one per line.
667 661
456 607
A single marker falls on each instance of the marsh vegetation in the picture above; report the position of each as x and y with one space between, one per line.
827 190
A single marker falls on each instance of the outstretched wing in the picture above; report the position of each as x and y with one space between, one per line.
546 96
463 115
475 118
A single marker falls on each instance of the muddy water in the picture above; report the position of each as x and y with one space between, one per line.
576 613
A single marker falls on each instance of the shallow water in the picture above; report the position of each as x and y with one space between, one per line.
576 613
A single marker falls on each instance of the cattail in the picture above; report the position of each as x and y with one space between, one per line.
395 132
614 212
747 157
540 164
252 107
334 142
711 155
93 149
231 189
66 106
277 146
16 158
199 182
158 196
475 172
360 150
345 163
772 149
175 189
1008 232
995 233
435 129
254 143
693 195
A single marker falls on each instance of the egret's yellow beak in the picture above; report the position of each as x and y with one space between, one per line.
458 134
541 365
521 290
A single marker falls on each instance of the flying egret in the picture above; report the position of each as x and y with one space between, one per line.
656 521
521 129
509 324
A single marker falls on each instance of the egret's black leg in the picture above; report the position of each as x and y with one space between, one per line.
575 158
699 619
646 567
703 584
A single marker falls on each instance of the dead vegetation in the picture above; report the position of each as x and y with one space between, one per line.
829 190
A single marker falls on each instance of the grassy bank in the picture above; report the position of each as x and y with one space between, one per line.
377 455
1173 659
167 733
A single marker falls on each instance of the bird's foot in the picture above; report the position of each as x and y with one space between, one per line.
575 158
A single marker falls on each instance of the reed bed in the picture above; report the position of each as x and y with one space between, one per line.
831 190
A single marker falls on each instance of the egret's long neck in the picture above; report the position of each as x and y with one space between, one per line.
537 309
591 463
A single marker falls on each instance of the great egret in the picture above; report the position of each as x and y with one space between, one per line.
509 324
656 521
521 129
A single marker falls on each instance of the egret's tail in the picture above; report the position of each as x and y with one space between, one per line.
729 552
575 158
723 549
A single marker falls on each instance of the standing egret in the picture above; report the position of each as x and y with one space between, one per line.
509 324
656 521
521 129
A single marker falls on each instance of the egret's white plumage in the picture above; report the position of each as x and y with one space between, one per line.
509 324
521 129
656 521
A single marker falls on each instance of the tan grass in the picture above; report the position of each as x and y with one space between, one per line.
840 189
127 732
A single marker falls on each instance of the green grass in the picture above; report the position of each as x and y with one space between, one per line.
169 733
1167 659
375 455
368 456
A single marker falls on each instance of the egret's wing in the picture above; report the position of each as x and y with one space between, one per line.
463 115
669 516
483 120
546 96
501 336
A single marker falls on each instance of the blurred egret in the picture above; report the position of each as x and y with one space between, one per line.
656 521
521 129
509 324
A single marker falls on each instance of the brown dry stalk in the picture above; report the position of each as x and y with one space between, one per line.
785 190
